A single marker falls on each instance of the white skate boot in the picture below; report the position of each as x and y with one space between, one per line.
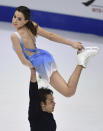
84 55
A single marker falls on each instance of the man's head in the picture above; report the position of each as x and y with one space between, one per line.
47 102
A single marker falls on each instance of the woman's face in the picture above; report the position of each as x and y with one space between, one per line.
18 20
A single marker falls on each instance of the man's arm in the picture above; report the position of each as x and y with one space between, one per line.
34 104
33 75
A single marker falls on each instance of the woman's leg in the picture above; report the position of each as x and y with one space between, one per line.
66 89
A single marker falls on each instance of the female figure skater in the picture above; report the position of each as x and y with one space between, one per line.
24 44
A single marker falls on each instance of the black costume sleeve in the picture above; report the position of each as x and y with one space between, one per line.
34 103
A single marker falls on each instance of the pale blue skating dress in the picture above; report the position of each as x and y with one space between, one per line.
42 60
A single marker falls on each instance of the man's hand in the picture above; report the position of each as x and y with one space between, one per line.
33 75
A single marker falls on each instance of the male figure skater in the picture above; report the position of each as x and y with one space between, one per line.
41 106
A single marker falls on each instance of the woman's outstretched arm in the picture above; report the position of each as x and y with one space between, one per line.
59 39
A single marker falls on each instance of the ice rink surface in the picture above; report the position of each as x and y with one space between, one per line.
82 112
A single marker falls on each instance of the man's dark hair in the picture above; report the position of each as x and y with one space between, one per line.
43 92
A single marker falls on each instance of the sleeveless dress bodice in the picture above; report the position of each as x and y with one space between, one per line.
42 60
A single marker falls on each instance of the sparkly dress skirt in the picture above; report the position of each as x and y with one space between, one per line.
43 62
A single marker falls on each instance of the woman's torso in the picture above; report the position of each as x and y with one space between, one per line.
28 40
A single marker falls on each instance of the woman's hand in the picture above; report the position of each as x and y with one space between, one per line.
77 45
